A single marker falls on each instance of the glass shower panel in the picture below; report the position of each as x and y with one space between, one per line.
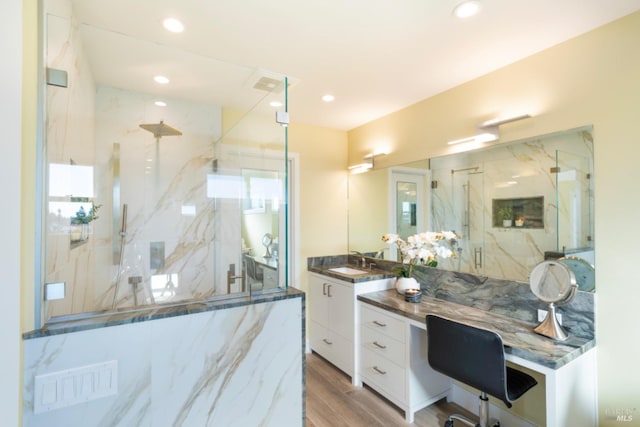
574 201
156 196
457 205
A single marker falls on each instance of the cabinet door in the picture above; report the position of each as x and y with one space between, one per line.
341 300
318 301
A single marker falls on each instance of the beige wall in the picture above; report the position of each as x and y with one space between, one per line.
592 79
323 192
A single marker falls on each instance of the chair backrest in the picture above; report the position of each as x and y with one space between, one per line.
252 271
467 354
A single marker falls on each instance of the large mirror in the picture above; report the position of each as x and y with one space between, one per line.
513 205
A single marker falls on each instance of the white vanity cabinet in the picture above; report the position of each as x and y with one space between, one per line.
393 361
333 314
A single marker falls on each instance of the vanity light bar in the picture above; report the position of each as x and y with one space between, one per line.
490 128
498 122
483 137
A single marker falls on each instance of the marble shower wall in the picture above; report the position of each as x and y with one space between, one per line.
239 366
512 171
162 182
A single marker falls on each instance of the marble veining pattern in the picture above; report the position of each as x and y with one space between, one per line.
236 366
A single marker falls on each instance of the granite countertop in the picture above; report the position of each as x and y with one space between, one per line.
368 273
518 336
87 321
323 265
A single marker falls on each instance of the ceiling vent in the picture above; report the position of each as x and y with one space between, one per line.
269 81
268 84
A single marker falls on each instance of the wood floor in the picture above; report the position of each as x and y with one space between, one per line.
333 402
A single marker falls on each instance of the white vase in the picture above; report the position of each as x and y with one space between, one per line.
404 283
506 223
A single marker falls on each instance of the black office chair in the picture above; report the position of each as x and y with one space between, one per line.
475 357
254 274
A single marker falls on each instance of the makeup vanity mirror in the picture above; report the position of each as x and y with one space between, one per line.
514 204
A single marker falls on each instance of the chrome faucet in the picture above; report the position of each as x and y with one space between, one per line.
363 260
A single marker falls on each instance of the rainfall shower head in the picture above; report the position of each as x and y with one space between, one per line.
161 129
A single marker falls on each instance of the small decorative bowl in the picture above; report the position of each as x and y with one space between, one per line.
412 295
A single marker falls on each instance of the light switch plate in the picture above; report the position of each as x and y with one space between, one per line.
73 386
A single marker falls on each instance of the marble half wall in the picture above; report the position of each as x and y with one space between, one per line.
241 366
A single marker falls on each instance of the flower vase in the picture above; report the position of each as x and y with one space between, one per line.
404 283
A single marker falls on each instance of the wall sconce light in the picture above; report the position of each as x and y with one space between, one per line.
369 163
489 130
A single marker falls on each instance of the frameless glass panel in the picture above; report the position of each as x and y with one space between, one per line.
156 194
573 182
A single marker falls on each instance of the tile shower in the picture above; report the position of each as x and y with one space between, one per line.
134 217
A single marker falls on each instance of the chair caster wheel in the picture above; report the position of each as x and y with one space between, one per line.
448 423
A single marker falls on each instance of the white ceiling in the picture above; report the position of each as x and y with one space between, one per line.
374 56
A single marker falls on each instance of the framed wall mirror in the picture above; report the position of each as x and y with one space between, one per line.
513 204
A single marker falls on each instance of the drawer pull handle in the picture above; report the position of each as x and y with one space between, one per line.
327 341
329 291
324 288
379 323
377 344
380 371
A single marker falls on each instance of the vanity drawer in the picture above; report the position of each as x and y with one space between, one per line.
383 345
384 323
383 375
331 346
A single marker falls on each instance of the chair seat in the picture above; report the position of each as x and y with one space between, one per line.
518 383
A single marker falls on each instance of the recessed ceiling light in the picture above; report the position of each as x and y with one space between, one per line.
275 104
328 98
466 9
161 79
173 25
160 103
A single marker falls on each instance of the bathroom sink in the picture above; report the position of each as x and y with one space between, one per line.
347 270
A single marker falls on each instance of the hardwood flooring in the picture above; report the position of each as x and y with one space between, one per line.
333 402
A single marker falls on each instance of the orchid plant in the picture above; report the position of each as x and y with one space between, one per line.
424 248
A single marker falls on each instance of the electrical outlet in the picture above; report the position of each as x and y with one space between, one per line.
543 313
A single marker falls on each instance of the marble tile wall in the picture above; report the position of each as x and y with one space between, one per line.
234 367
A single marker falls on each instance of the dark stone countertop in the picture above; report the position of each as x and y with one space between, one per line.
518 336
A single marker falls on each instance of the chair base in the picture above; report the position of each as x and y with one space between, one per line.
465 420
483 413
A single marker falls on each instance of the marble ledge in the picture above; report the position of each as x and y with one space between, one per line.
85 322
518 336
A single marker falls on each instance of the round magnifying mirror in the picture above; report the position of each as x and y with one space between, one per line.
554 283
551 281
584 271
267 240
